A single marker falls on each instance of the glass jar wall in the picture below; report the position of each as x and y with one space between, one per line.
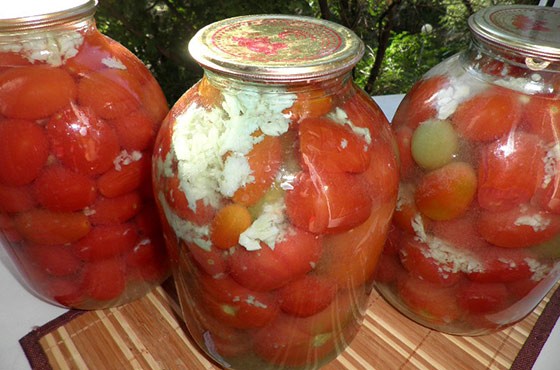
475 243
276 178
78 118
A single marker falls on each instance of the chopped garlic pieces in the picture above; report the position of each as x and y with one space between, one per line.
211 146
267 228
53 48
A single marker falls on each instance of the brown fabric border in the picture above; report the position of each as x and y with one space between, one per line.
538 336
30 342
525 359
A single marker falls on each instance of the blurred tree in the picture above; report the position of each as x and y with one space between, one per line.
403 38
158 31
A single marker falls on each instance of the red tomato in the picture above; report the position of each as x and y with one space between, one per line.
154 101
330 147
394 236
434 303
35 91
111 93
9 232
175 197
41 226
341 313
136 131
16 198
65 291
480 298
264 160
447 192
520 227
403 136
104 242
522 288
311 103
266 269
383 173
548 197
82 141
148 221
60 189
125 177
351 257
488 115
307 296
9 60
284 344
389 269
104 280
94 51
364 112
418 105
509 171
417 259
24 149
148 260
218 338
328 202
56 260
212 262
98 50
501 265
134 66
237 306
542 116
406 212
500 69
115 210
461 234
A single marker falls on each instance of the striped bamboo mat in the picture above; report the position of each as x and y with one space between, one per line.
146 334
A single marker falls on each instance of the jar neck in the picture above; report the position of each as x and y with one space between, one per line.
512 69
332 85
52 44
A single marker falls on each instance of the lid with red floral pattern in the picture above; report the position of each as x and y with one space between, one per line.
278 48
533 31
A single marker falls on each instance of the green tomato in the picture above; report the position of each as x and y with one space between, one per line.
271 196
549 249
434 144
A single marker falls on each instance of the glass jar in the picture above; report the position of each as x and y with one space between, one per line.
78 118
475 242
276 178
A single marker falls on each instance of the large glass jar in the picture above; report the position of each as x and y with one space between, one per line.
78 118
475 243
276 178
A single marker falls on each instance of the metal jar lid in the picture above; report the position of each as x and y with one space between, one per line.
276 48
32 14
532 31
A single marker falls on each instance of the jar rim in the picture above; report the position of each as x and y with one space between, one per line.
530 30
53 14
276 48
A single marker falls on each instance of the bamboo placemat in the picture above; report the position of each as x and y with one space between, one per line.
147 334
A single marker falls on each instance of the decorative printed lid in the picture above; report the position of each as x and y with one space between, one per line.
31 14
276 48
533 31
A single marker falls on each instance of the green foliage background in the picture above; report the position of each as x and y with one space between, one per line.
408 37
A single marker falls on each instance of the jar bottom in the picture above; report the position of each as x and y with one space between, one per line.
232 348
458 327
